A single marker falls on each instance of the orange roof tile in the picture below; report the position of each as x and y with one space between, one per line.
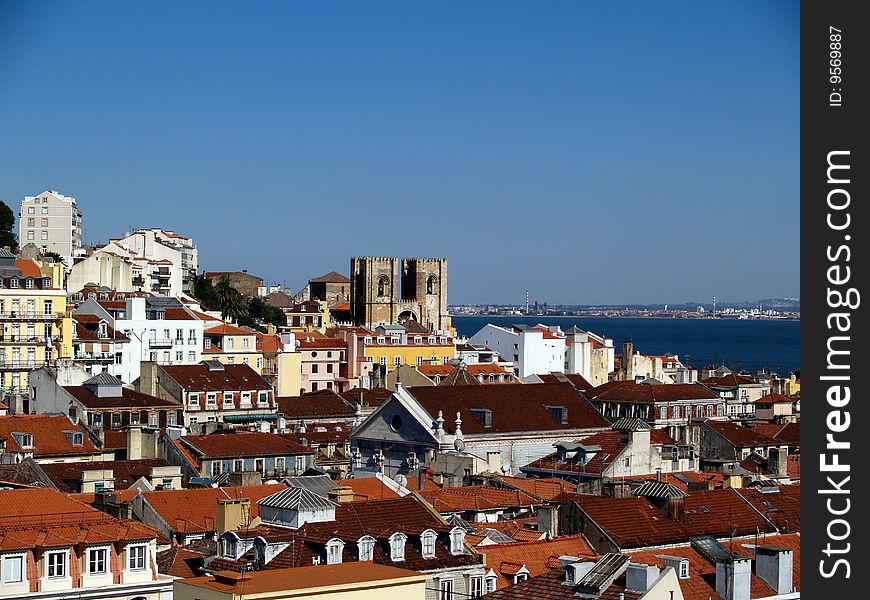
535 556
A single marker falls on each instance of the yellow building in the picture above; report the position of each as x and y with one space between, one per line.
282 364
361 580
392 345
36 326
311 315
232 346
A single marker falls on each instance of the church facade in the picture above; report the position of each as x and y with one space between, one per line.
387 290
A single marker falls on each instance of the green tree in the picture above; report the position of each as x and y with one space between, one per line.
7 228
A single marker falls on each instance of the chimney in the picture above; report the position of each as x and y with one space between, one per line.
775 566
659 474
341 495
676 507
777 461
141 444
148 377
733 578
136 309
548 520
640 578
233 514
421 479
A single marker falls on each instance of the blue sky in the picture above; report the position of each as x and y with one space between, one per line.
586 151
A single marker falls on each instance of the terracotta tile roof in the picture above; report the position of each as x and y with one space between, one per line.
321 433
522 530
199 378
647 393
473 498
340 307
307 342
91 334
720 513
548 586
28 268
367 397
180 562
179 314
227 329
740 436
195 510
700 584
790 434
321 404
368 488
767 429
331 277
576 379
67 476
114 439
238 444
128 399
535 556
782 507
293 580
732 380
544 488
48 434
269 343
502 400
43 518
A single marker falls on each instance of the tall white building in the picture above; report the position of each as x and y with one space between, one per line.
53 222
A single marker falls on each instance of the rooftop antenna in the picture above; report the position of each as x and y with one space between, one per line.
714 306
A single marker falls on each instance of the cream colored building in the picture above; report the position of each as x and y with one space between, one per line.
106 269
232 346
53 222
343 581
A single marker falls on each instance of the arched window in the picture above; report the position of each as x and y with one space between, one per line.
397 546
366 546
427 540
457 540
430 285
334 548
383 283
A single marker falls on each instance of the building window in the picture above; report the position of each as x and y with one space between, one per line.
44 235
137 556
246 398
457 540
520 577
366 547
279 463
663 412
315 367
13 569
193 399
397 546
238 465
211 398
264 398
383 361
490 584
334 548
153 419
475 586
300 464
228 397
56 562
427 540
676 412
97 561
446 589
397 360
684 569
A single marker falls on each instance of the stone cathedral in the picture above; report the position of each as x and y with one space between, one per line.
388 290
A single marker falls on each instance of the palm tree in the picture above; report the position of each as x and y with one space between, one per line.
226 297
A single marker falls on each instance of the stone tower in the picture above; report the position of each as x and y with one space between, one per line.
387 290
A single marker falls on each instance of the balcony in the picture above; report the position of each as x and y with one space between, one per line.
25 365
30 316
94 357
23 340
161 342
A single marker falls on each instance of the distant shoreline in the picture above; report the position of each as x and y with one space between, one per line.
682 318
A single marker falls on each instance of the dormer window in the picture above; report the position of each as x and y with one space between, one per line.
46 283
76 438
334 549
484 415
25 440
367 340
104 296
104 330
430 339
684 569
13 283
382 339
427 541
418 339
560 413
394 339
442 340
457 540
397 546
28 283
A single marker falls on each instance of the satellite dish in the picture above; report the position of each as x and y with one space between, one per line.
506 467
459 444
401 480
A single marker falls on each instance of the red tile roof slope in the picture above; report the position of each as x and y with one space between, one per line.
648 393
128 399
739 435
538 556
503 400
48 434
231 377
476 498
237 444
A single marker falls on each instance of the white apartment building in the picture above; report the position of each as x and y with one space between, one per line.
161 262
533 350
53 222
159 329
588 354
